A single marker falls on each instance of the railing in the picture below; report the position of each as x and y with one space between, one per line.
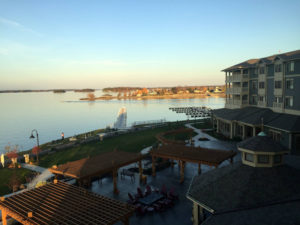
233 102
245 102
234 90
261 103
277 104
245 89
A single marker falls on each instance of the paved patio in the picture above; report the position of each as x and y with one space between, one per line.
179 214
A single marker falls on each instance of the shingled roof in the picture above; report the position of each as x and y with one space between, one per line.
261 144
253 115
253 62
276 214
241 187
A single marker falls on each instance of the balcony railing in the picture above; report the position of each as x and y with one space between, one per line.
277 104
233 102
234 90
261 103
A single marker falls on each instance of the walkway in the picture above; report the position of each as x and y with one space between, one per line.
212 142
44 175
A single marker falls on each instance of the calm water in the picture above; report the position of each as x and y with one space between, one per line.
52 114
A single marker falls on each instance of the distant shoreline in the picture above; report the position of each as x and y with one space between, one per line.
49 90
171 96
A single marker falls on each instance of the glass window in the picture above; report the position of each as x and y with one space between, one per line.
278 99
289 101
254 84
278 68
261 85
261 70
278 84
277 158
263 158
261 98
289 84
249 157
291 66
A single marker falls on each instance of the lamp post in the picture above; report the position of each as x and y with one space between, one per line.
37 141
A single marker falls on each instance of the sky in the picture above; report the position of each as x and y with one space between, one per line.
149 43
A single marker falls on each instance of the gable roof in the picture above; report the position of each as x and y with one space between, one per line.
270 59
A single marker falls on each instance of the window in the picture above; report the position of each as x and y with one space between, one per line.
254 99
254 84
261 98
289 84
291 66
278 99
249 157
275 135
263 159
245 71
277 158
289 101
261 85
278 68
278 84
261 70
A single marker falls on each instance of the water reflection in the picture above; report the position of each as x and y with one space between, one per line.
51 114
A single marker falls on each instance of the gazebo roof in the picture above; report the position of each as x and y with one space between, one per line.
193 154
62 203
276 214
96 165
239 187
261 144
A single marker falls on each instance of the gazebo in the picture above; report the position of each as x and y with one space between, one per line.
62 203
84 170
258 190
185 154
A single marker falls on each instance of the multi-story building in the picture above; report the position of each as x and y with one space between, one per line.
263 93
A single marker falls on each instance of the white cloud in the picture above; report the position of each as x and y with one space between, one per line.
19 26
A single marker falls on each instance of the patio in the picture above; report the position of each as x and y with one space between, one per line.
179 214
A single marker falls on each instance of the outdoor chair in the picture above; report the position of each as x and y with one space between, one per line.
148 190
163 190
172 194
139 193
141 210
131 199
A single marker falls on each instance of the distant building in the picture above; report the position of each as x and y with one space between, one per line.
263 91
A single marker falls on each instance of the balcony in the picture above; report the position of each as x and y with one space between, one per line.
234 90
261 104
262 91
277 104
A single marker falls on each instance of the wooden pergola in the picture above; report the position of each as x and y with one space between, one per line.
84 170
62 203
185 154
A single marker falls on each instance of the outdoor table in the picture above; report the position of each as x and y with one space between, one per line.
150 199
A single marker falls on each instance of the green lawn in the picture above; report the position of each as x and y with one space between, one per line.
180 136
204 124
5 175
132 142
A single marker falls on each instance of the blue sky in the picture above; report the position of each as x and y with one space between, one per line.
78 44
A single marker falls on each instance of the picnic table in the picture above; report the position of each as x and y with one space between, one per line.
151 198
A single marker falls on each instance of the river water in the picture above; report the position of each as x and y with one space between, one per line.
50 114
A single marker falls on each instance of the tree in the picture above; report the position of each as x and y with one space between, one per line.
36 150
91 96
12 153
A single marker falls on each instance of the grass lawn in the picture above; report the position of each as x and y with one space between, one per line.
132 142
204 124
181 136
5 175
